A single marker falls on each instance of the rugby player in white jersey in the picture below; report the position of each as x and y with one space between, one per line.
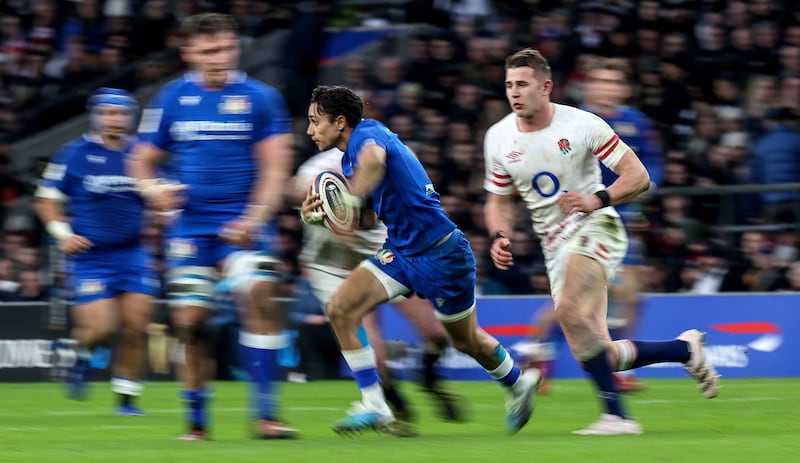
549 153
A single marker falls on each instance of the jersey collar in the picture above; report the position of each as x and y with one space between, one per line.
95 138
234 77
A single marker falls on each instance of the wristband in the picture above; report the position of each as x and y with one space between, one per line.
315 217
500 234
605 199
59 230
148 186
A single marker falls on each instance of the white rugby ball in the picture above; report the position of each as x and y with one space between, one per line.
339 216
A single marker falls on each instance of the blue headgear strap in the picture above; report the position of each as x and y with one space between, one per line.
111 97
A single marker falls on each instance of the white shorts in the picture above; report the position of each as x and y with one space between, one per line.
603 238
325 281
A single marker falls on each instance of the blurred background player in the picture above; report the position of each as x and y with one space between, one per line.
227 141
607 89
329 259
93 212
424 253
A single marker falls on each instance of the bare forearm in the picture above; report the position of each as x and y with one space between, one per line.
275 158
48 210
633 180
627 188
498 214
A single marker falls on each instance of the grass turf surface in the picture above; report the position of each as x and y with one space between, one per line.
753 420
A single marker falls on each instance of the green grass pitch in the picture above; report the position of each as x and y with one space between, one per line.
753 420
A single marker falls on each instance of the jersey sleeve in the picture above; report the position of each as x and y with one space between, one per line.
153 126
272 115
57 176
604 143
496 180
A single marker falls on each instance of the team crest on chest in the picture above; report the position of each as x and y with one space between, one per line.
564 146
234 104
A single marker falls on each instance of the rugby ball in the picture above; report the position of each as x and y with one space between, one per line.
331 187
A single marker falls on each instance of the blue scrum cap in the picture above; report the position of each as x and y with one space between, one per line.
106 96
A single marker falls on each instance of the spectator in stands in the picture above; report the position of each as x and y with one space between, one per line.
9 282
775 158
32 286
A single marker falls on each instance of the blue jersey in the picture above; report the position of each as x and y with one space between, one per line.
405 200
101 200
210 135
636 130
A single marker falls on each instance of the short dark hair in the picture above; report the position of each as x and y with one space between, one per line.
337 100
208 24
530 58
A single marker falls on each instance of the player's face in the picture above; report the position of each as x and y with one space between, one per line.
213 55
112 121
324 132
605 87
526 93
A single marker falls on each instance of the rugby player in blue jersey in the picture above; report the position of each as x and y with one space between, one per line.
424 254
92 210
226 141
606 91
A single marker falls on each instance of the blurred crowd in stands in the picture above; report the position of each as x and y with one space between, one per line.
719 81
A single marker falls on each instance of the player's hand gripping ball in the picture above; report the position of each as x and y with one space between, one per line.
342 210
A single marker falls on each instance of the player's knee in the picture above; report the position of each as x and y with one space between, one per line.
190 334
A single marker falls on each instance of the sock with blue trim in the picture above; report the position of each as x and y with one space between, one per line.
260 359
635 354
507 373
363 364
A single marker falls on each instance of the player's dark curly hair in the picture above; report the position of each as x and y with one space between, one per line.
208 24
336 100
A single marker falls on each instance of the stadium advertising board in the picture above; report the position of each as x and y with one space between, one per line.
748 335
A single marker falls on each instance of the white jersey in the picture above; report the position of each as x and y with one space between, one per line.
322 249
544 164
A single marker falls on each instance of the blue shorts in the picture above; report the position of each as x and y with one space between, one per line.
203 251
105 274
443 274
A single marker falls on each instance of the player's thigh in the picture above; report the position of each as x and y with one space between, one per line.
360 293
136 310
100 315
422 316
584 294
